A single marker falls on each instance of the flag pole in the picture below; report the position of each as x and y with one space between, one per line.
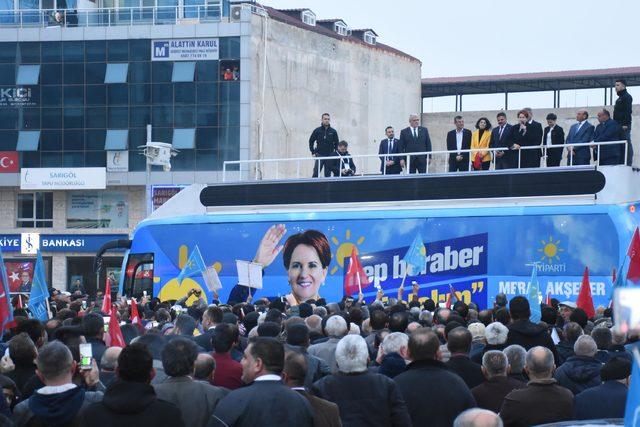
359 284
404 277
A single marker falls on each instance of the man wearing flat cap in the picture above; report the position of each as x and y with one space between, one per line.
607 400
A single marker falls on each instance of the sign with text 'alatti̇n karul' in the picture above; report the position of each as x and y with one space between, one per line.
201 49
63 179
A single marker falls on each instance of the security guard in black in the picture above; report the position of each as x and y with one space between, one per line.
322 143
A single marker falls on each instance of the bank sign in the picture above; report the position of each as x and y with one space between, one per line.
63 179
28 243
201 49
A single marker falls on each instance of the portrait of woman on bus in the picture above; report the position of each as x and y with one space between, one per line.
306 257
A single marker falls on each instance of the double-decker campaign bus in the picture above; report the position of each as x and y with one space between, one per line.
484 233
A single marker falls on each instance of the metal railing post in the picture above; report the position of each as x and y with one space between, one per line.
408 164
519 157
297 169
224 171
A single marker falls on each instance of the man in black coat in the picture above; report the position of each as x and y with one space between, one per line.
501 138
553 135
210 318
531 158
435 396
564 349
581 371
390 145
490 394
458 139
364 398
608 400
415 139
459 345
131 400
322 143
622 113
524 332
344 165
265 400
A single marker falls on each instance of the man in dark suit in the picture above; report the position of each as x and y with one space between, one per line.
325 413
458 139
390 145
581 132
501 138
608 130
322 143
622 113
210 318
531 158
415 139
459 345
553 135
265 400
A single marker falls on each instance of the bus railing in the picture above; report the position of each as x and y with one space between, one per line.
256 169
109 17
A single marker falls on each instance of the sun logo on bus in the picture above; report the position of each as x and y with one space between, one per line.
172 290
550 250
344 249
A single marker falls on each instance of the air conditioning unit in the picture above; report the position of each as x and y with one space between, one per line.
236 13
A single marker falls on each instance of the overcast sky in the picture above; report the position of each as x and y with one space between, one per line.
470 37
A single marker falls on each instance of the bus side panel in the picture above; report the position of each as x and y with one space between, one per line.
479 256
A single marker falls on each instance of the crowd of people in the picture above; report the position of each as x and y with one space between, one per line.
391 362
506 146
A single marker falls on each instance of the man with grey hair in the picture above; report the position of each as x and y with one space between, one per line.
617 349
516 355
542 400
60 401
603 339
415 139
581 371
108 365
314 323
392 354
490 394
580 133
364 398
335 329
478 418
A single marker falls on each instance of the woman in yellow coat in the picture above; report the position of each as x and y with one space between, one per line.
480 138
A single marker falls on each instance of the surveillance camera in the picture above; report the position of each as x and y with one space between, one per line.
166 168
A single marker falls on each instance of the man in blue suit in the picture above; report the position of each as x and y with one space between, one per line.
390 145
608 130
607 400
581 132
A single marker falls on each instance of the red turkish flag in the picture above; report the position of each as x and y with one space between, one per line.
355 278
633 273
585 301
9 162
106 302
135 317
115 333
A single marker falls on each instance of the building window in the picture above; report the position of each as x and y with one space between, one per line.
184 139
369 37
35 210
183 71
116 73
28 75
28 140
341 28
117 139
309 18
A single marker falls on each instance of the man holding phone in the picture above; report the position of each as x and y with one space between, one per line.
60 402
